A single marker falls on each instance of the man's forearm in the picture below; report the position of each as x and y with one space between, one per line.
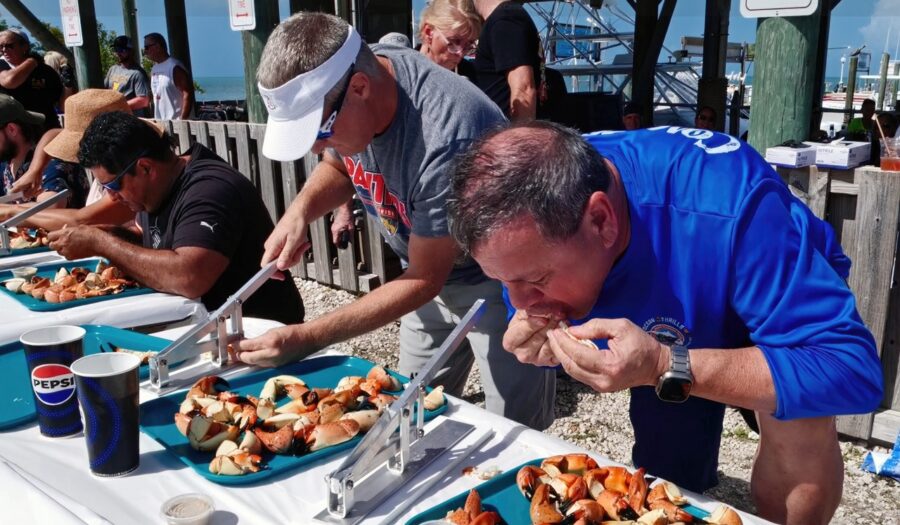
325 190
13 78
187 104
715 378
138 103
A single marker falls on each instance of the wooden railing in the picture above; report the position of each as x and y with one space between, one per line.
863 207
365 264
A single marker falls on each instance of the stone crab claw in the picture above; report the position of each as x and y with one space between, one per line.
666 490
329 434
528 478
618 479
383 379
365 418
472 513
208 386
569 488
615 505
205 434
435 399
542 509
568 464
280 441
724 515
594 479
231 460
275 387
584 512
637 491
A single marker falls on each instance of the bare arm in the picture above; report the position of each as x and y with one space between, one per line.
138 103
15 76
104 211
183 82
30 181
430 262
327 188
172 271
522 94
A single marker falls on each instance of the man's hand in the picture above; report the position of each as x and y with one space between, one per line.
634 357
342 222
276 347
526 338
29 184
75 243
286 243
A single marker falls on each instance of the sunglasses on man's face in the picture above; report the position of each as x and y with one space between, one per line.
115 185
325 131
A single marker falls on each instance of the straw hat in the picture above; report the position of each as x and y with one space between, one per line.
81 109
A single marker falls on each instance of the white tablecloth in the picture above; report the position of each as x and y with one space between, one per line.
31 259
126 312
47 481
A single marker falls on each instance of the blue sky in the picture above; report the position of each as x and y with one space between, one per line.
216 50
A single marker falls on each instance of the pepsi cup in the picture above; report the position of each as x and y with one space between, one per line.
49 353
107 386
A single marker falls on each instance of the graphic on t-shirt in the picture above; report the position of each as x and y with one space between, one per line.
155 236
212 227
668 329
378 200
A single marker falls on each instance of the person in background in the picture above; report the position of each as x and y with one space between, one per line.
388 131
705 118
701 290
27 78
201 223
395 39
631 116
60 64
19 138
448 30
173 89
508 58
100 207
888 124
860 128
128 78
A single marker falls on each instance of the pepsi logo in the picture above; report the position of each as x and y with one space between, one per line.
53 384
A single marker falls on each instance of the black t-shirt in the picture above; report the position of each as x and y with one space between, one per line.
213 206
39 93
508 40
466 68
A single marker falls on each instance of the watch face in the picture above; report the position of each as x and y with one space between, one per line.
674 389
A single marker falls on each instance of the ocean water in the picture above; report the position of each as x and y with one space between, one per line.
220 88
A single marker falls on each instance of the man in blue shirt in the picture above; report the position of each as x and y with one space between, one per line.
684 255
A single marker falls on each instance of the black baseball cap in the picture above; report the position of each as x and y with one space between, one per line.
632 107
122 43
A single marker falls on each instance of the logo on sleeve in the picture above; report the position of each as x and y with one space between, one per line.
212 227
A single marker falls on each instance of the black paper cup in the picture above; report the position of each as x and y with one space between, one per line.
107 386
49 353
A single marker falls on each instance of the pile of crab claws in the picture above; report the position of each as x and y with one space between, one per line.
472 513
203 433
236 460
208 386
277 387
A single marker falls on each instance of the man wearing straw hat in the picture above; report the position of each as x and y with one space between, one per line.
200 223
100 208
388 122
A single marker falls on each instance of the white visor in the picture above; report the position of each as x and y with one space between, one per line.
295 107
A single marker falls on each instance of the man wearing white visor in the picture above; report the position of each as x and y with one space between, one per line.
388 123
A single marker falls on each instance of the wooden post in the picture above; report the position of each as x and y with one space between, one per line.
254 43
851 90
650 30
129 15
785 71
87 56
821 60
322 6
176 26
713 84
37 29
882 80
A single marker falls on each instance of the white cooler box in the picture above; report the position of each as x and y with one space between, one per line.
842 154
791 157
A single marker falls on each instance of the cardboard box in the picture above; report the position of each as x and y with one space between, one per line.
789 157
843 154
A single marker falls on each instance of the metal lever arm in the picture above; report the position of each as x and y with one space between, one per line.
17 219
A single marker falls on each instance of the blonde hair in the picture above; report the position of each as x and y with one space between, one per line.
452 15
55 60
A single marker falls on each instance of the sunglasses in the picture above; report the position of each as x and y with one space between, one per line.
148 46
325 130
115 185
456 46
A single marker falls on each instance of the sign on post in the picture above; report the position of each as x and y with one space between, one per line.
241 15
71 22
771 8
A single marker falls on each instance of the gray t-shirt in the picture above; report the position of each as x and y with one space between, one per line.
131 82
403 176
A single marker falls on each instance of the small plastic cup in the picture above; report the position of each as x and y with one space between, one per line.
890 154
188 509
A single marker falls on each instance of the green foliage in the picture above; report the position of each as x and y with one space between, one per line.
107 57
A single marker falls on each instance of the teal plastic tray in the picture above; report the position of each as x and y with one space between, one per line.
49 271
501 495
157 416
25 251
16 399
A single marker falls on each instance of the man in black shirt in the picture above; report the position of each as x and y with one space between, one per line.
508 58
201 224
27 78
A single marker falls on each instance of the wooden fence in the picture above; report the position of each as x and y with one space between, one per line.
365 264
863 206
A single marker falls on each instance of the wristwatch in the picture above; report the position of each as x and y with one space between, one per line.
674 386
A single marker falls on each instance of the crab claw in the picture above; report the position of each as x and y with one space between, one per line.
542 509
724 515
618 479
251 443
585 511
637 491
435 399
528 478
382 401
328 434
274 388
231 460
615 505
385 380
653 517
568 464
347 382
673 512
182 423
666 490
206 435
365 418
208 386
594 479
280 441
570 488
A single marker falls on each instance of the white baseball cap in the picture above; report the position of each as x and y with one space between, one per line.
295 107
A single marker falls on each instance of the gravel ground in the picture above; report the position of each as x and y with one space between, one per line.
599 422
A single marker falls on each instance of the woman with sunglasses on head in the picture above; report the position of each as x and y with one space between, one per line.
448 31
